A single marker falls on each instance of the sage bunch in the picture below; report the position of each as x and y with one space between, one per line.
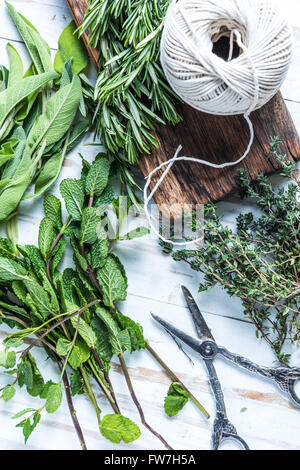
37 112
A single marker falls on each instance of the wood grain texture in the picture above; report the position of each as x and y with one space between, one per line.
213 138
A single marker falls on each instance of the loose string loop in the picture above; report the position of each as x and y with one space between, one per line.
169 164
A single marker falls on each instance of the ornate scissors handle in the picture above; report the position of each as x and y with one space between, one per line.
285 378
223 428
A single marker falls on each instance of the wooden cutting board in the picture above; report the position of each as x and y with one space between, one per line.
214 138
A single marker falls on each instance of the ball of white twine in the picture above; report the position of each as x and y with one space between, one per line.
211 84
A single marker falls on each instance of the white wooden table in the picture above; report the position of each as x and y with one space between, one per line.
269 421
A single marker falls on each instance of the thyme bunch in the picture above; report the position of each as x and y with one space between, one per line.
260 261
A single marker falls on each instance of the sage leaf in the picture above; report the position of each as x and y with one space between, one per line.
16 66
37 47
58 117
10 97
71 47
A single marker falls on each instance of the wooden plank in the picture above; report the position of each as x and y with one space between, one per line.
214 138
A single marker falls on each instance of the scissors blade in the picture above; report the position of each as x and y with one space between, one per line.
194 343
202 329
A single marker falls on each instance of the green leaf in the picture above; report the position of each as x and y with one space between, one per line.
16 66
113 281
176 399
89 225
54 398
7 150
8 393
70 46
7 359
85 331
135 331
52 208
76 383
28 426
46 236
52 167
23 412
25 376
97 177
136 233
73 195
115 338
44 392
63 346
12 96
116 428
36 46
58 117
12 271
99 253
40 299
35 257
7 248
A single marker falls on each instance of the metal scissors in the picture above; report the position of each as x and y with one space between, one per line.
208 349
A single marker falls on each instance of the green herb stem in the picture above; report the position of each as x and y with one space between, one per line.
137 403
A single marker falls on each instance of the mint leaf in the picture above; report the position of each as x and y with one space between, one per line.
97 177
89 224
54 398
175 400
116 428
28 426
113 281
76 383
63 346
46 236
73 195
7 359
136 233
11 270
23 412
8 393
85 331
52 208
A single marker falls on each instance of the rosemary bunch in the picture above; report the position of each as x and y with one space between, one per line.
260 261
132 95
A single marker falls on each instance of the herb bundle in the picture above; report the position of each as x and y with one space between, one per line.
260 262
73 313
131 94
37 111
